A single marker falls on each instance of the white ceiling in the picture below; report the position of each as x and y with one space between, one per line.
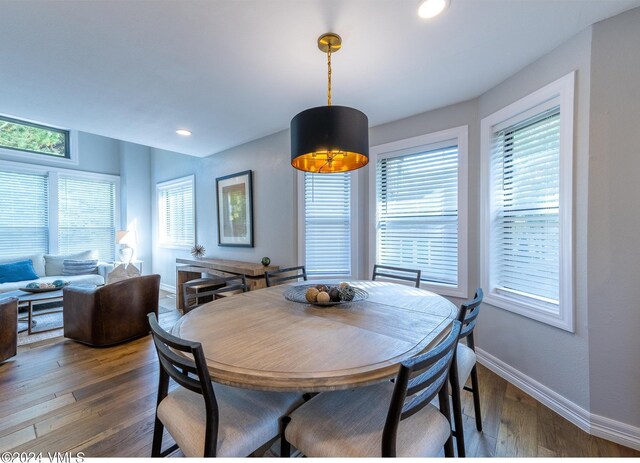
236 70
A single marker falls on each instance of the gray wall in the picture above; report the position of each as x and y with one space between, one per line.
614 220
274 208
553 357
135 198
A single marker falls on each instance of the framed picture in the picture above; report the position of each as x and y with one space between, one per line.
235 210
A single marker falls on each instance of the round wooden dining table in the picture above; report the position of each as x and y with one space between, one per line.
259 340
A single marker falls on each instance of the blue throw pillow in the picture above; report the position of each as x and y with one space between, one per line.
17 271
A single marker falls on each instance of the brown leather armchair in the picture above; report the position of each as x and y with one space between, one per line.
110 314
8 328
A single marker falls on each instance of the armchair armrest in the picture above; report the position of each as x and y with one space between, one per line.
104 268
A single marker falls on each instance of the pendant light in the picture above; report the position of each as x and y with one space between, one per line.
329 139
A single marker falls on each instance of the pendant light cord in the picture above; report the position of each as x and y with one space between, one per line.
329 76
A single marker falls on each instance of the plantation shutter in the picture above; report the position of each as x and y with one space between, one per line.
24 214
327 223
177 224
417 196
86 216
525 166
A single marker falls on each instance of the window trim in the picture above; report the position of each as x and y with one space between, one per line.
562 91
52 174
414 144
354 228
168 184
34 156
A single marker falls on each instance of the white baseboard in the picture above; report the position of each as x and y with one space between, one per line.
171 289
606 428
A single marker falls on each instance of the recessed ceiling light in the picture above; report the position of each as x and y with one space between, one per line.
432 8
183 132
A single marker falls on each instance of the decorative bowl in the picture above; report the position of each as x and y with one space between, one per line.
298 294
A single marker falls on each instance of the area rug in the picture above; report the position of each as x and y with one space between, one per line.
46 320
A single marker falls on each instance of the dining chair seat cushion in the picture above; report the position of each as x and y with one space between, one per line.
247 419
349 424
466 359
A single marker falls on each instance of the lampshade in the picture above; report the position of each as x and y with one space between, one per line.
126 237
329 138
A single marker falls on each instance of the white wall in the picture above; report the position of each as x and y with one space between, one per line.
613 292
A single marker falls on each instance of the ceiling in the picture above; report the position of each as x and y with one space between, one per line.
232 71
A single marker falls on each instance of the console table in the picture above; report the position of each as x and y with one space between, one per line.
190 269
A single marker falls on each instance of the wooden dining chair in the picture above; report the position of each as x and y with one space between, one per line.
213 289
387 419
466 366
205 420
276 277
396 273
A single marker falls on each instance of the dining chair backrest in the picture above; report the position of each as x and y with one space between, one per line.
397 273
275 277
467 316
419 381
190 374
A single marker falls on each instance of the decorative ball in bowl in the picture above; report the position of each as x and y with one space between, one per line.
265 261
325 295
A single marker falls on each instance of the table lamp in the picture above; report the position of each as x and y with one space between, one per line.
127 241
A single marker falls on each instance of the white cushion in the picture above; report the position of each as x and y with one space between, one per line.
248 419
122 272
350 423
37 259
466 359
53 263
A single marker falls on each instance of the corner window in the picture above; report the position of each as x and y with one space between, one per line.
420 208
176 212
34 138
56 211
527 164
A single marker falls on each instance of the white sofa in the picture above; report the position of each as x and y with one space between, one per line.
49 268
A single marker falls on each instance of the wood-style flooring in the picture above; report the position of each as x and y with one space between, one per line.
62 396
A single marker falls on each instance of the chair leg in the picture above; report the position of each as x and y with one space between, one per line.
156 447
476 398
285 446
457 419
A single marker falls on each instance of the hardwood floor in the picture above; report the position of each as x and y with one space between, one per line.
62 396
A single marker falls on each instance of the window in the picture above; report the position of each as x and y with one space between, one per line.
420 208
56 211
34 138
527 159
326 224
176 216
86 216
24 213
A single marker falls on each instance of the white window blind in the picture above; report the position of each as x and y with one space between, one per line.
176 212
417 213
24 214
87 216
327 224
525 233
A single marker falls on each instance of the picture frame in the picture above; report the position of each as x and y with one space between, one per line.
234 199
